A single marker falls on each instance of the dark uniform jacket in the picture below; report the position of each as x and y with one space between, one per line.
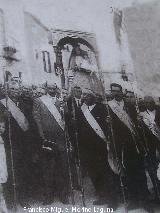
94 153
54 162
14 137
128 149
47 125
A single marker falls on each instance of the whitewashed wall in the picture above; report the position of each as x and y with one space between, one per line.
29 34
143 23
91 16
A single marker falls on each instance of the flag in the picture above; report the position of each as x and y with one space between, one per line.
118 21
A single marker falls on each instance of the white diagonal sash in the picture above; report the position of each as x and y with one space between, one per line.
16 113
121 114
92 122
124 117
47 101
3 163
150 123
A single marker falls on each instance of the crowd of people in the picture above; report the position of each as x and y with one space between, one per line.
51 139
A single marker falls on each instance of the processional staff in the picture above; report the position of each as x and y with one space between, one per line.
67 144
114 160
6 87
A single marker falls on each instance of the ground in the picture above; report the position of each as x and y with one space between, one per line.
58 207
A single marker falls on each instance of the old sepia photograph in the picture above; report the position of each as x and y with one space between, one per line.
80 106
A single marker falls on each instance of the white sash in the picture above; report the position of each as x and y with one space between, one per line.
47 100
158 172
149 120
16 113
3 163
93 123
122 115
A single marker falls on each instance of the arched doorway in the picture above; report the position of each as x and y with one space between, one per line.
76 60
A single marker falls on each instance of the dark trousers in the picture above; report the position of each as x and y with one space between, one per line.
106 183
48 174
55 174
136 179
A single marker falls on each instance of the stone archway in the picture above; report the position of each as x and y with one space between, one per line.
77 67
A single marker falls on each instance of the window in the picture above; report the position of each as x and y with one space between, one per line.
46 61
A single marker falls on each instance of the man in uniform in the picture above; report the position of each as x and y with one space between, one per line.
151 134
93 134
46 112
151 116
76 94
31 146
16 128
127 147
130 104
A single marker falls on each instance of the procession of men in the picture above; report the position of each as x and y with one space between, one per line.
53 139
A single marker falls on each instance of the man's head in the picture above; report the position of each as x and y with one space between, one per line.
130 97
77 92
34 91
38 92
2 123
89 97
99 98
65 94
141 105
149 102
116 91
58 93
14 92
51 89
109 96
2 92
26 91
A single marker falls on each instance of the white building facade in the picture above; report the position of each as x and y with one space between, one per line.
44 32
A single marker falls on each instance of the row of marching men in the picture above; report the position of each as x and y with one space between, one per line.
51 142
118 145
